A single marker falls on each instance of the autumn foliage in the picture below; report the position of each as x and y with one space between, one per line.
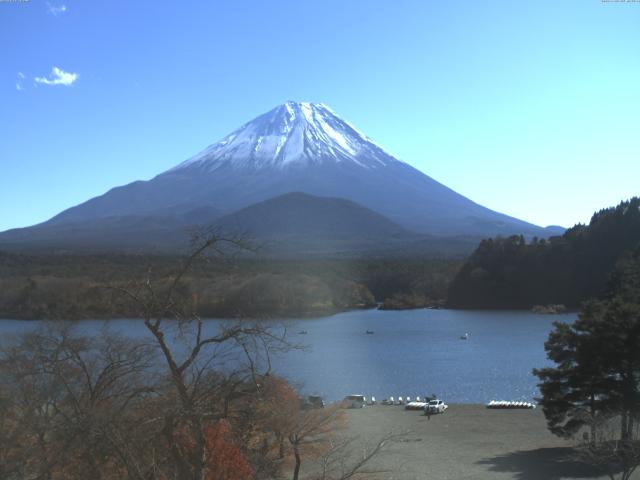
225 459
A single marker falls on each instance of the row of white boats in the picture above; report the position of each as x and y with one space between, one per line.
418 403
400 401
362 400
506 404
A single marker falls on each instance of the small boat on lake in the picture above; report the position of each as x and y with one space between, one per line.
370 332
464 337
302 332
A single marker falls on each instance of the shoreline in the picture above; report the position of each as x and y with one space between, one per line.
308 315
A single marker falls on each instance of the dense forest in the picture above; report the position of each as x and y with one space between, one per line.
86 286
513 273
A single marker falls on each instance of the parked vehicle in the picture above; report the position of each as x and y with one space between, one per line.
315 401
436 406
311 401
354 401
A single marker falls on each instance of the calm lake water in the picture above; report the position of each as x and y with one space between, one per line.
412 352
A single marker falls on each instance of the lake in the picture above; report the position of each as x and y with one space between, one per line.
411 352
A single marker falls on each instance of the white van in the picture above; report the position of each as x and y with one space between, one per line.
354 401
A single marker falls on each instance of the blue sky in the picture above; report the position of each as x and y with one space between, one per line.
529 108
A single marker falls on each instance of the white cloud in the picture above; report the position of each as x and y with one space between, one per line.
19 81
56 10
58 77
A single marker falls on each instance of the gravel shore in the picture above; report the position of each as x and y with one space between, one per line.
466 442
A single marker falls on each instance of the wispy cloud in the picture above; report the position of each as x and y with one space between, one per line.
56 10
58 77
19 81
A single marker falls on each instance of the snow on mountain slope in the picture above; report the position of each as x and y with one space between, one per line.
294 133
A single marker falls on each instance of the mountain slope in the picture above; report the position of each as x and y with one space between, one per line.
297 223
298 215
293 225
306 148
132 233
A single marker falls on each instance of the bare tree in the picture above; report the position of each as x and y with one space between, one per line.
212 369
73 401
310 432
345 459
10 436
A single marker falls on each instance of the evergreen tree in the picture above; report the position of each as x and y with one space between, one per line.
597 372
575 393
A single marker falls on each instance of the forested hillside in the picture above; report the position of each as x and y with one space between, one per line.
78 286
512 273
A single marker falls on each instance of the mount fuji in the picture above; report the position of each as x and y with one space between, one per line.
296 147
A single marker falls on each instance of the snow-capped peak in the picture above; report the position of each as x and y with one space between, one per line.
293 133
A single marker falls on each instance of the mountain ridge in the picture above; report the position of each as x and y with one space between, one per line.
294 225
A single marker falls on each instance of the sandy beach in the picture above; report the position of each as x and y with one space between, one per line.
467 442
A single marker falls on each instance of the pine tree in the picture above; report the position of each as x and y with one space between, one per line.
597 372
